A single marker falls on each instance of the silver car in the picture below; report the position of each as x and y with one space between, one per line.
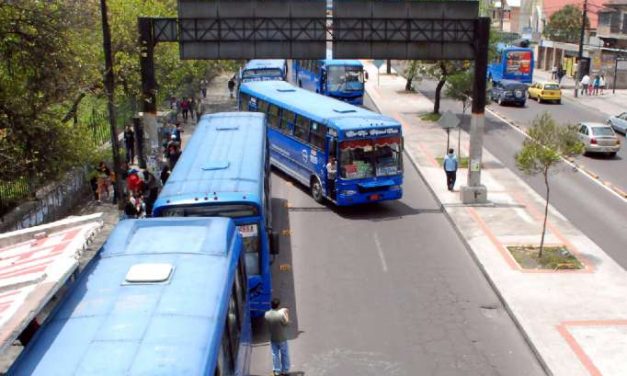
619 123
599 138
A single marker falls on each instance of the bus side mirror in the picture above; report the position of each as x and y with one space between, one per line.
274 243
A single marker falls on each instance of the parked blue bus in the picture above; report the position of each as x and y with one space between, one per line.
307 129
512 63
163 296
224 171
340 79
264 69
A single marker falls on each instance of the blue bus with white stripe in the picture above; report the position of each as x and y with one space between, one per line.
224 171
512 63
163 296
340 79
264 69
306 129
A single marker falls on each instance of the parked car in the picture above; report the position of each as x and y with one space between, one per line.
619 123
545 91
508 91
599 138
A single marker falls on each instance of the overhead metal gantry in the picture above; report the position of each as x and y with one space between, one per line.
302 29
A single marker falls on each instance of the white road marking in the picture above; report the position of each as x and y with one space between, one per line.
380 251
573 165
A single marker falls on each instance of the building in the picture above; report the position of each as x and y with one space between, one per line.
612 31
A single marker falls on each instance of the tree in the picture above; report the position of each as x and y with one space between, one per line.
459 87
542 151
565 25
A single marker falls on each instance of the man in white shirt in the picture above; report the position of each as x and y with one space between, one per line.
585 81
331 175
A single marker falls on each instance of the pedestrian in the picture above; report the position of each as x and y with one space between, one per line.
560 74
104 175
602 84
203 87
130 210
596 83
331 176
134 183
184 108
165 174
554 72
450 168
192 107
173 155
278 320
585 82
151 191
176 132
231 85
129 143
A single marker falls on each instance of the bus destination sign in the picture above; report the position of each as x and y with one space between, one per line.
372 132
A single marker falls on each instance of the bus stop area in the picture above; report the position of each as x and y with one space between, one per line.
35 265
574 320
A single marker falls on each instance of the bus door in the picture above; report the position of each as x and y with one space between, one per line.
332 153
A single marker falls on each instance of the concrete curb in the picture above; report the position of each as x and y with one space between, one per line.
476 260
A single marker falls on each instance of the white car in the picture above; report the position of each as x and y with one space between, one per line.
599 138
618 123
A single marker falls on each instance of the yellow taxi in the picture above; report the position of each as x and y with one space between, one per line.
545 91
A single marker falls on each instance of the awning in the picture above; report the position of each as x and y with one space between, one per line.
34 264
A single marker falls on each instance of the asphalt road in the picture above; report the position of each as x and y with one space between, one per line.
602 216
385 289
569 112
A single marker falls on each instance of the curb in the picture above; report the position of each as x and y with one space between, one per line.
475 259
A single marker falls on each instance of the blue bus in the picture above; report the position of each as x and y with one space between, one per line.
512 63
224 171
264 69
163 296
306 130
340 79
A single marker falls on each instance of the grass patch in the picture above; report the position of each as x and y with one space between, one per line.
430 117
463 161
553 258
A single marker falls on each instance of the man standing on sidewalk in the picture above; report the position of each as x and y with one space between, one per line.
450 168
278 320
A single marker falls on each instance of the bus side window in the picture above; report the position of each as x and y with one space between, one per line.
301 128
243 102
262 106
333 148
273 116
287 118
317 135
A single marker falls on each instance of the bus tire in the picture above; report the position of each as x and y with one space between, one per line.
316 189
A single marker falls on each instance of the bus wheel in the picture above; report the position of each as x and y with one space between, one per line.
316 190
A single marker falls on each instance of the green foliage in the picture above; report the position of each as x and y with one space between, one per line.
547 143
565 25
459 87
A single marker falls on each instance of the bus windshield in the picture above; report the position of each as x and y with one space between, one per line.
342 78
367 158
253 74
213 210
250 237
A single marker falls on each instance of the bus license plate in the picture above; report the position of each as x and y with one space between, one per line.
374 197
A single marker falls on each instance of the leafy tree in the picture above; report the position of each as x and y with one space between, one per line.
565 25
542 151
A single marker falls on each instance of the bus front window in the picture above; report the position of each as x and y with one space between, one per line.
356 159
250 238
341 78
387 156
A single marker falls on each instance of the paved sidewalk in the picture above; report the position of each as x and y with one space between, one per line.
576 321
609 103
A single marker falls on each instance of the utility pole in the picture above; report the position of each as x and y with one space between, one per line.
501 14
580 54
109 87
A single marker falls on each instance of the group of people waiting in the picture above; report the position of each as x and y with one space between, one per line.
186 107
592 86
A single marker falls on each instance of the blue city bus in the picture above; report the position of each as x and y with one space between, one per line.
264 69
307 129
340 79
224 171
512 63
163 296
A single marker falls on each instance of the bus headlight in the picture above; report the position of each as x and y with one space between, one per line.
348 192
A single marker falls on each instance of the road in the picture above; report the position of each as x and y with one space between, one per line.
595 211
385 289
569 112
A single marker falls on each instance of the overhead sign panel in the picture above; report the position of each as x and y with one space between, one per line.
238 29
404 29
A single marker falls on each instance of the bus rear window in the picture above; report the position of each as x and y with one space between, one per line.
230 211
518 62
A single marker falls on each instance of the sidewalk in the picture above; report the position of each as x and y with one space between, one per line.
608 103
576 321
